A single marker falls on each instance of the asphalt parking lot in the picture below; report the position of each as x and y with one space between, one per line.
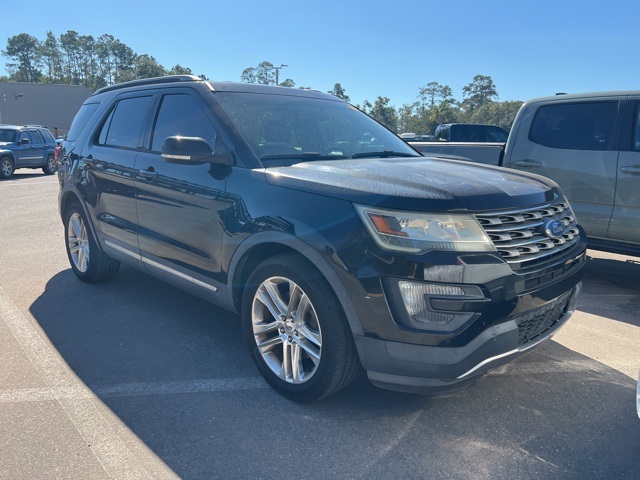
136 379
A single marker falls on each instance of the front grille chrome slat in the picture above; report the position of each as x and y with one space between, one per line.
520 236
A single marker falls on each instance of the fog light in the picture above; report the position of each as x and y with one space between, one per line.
416 301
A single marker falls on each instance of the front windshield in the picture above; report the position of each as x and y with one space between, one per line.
280 127
7 135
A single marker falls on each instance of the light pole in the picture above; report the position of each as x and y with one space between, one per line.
277 69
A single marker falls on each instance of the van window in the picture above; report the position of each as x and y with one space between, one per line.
575 126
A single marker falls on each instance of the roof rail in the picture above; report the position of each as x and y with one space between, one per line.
149 81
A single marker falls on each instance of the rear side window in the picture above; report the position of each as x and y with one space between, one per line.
181 115
124 124
495 134
48 138
81 120
36 137
575 126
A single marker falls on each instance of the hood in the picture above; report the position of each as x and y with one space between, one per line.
417 184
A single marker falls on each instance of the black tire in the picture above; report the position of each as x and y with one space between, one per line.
6 167
327 359
88 261
50 167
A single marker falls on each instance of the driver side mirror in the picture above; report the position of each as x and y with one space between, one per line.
194 150
24 141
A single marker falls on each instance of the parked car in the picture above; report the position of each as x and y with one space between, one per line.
340 247
28 146
587 143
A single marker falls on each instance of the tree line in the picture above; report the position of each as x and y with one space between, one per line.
75 59
434 105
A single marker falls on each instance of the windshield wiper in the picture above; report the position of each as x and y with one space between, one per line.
301 156
383 154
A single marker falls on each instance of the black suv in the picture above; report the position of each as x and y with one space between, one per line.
28 146
339 245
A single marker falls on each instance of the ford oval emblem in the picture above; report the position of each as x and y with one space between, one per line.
554 228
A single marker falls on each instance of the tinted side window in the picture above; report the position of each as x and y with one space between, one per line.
576 126
24 135
81 119
442 134
496 135
48 138
36 137
124 125
181 115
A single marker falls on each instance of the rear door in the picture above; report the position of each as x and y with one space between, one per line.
108 172
625 220
575 143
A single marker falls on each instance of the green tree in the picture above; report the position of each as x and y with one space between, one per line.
24 51
180 70
148 67
497 113
385 113
264 74
480 91
52 59
433 93
288 83
124 62
339 92
72 55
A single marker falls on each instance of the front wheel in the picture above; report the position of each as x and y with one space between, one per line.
88 261
296 330
50 166
6 167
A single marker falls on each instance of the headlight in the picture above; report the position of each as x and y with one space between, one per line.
423 232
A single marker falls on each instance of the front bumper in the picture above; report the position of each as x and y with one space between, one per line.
433 369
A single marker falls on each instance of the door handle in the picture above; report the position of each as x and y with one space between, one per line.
149 174
632 170
528 164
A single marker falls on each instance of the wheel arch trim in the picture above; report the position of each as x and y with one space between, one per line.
303 249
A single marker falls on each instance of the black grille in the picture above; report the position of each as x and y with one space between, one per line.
541 319
520 235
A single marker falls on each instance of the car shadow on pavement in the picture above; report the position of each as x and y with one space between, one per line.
552 413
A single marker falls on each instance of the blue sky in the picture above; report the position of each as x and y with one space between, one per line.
373 48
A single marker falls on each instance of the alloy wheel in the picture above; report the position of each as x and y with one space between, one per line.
286 330
78 241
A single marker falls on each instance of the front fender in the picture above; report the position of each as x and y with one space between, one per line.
311 254
7 153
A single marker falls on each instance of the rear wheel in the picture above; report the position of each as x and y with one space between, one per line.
6 167
296 330
88 261
50 166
